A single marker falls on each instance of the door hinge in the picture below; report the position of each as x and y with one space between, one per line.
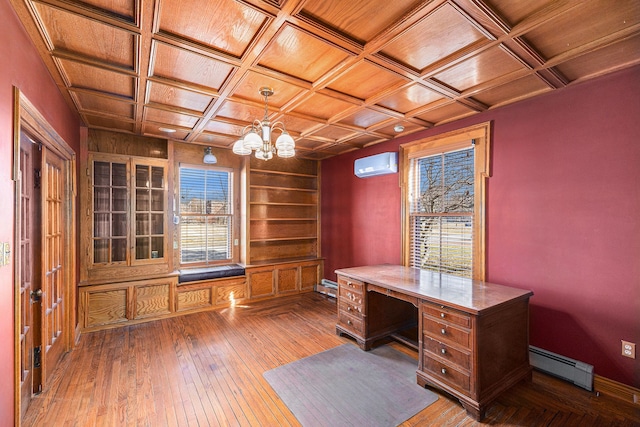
37 357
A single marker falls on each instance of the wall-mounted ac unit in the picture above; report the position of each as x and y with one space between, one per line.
379 164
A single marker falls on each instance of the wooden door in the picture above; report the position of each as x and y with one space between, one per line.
53 327
28 274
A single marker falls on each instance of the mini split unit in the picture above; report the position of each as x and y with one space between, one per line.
379 164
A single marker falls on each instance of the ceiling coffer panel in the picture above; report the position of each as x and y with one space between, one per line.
224 25
437 36
345 74
75 35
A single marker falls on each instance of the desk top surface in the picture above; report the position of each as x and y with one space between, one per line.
468 294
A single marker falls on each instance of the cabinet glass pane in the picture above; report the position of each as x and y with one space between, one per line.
157 200
101 173
157 177
142 176
119 225
118 250
101 199
119 174
157 224
100 251
157 247
142 248
142 200
101 225
119 201
142 224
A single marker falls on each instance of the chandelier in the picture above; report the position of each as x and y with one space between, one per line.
257 136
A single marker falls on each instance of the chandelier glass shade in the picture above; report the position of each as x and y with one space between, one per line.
257 136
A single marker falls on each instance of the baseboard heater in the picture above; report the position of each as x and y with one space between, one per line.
327 287
579 373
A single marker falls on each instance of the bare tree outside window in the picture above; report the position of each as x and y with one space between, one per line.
442 209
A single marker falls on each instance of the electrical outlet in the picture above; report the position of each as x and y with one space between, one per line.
629 349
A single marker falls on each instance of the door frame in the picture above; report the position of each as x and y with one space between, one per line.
26 117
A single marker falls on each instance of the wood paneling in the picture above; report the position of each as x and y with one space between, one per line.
103 307
200 65
261 283
287 280
152 300
206 369
192 298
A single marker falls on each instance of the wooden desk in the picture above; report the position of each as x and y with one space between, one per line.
473 336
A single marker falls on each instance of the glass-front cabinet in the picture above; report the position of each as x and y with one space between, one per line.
149 209
128 220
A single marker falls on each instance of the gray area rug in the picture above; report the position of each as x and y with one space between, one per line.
346 386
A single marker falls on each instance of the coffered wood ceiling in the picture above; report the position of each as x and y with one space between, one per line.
344 72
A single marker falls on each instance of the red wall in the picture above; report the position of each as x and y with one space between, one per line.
562 216
21 67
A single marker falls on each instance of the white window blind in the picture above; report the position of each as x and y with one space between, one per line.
206 216
442 212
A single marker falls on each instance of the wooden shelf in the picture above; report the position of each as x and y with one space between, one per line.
272 172
284 219
275 187
283 204
282 239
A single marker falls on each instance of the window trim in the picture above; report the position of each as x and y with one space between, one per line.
451 141
235 216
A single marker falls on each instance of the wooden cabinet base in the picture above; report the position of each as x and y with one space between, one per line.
119 304
116 304
267 281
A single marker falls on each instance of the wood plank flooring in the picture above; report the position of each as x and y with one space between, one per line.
206 369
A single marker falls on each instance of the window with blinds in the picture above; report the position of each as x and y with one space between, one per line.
441 212
206 215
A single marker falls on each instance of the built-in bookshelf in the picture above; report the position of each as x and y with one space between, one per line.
283 210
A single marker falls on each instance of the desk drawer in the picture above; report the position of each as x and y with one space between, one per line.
444 351
447 314
354 297
445 332
354 285
447 374
351 323
350 308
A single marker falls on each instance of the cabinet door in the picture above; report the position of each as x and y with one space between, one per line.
149 200
110 222
128 199
261 283
287 280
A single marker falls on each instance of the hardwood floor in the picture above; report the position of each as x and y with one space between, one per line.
206 369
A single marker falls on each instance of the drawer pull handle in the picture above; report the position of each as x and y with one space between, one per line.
442 315
444 371
443 351
349 308
349 322
443 330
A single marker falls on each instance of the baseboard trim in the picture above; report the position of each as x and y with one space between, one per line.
615 389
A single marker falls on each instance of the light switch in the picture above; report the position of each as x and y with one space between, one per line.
5 253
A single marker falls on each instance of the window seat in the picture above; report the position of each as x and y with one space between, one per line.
207 273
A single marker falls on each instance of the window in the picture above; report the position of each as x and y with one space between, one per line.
441 213
443 196
206 215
